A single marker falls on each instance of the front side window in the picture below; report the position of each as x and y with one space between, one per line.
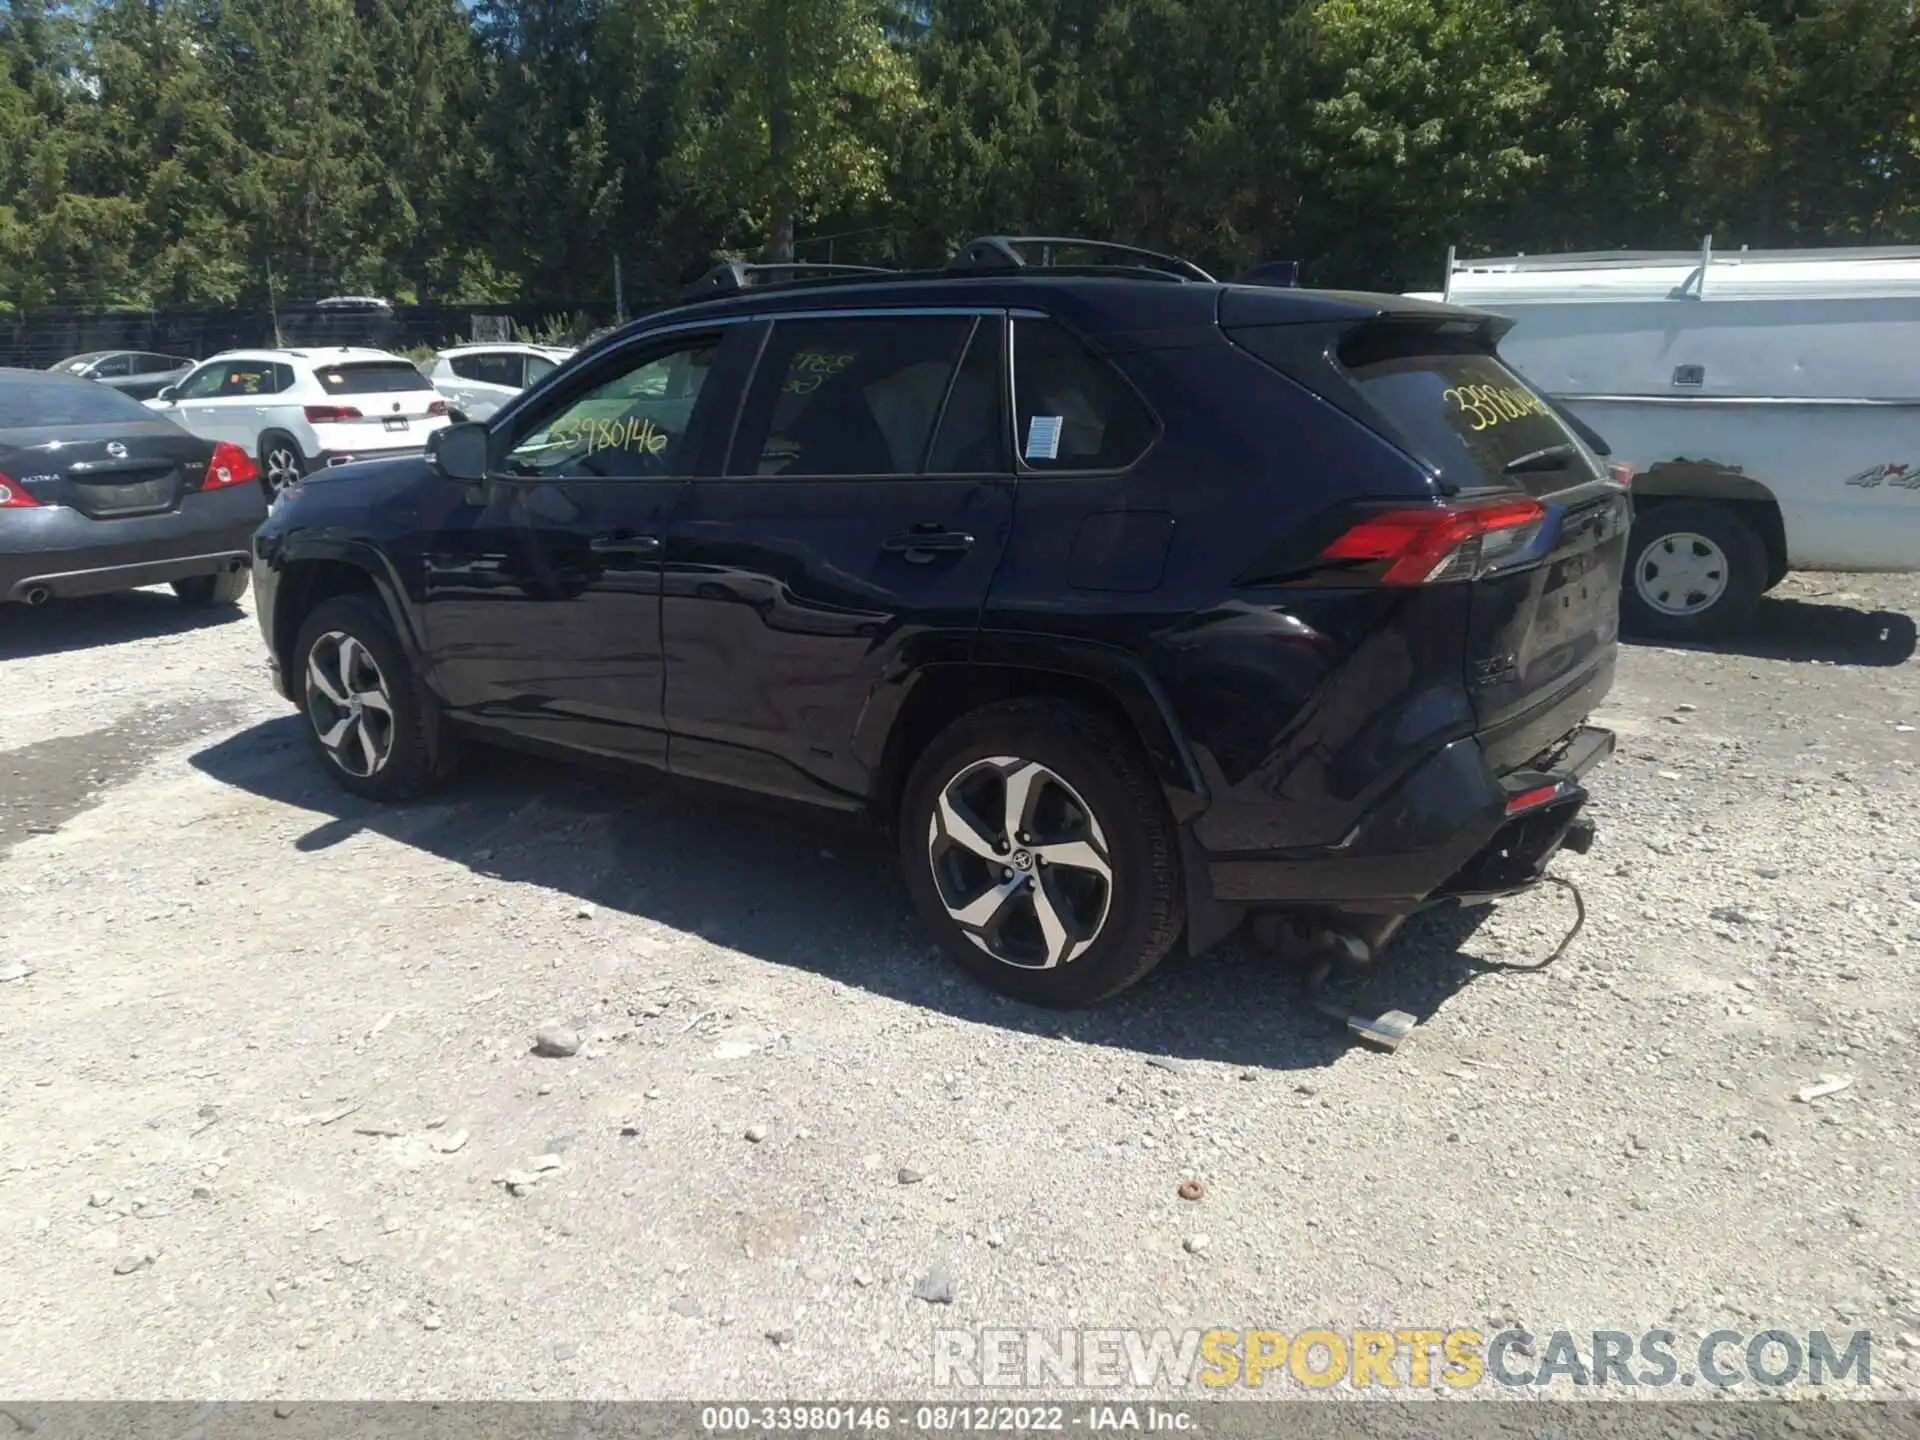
848 397
1073 411
113 367
633 423
203 382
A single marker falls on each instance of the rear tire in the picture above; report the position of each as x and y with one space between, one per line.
225 588
1695 570
371 720
281 462
1034 917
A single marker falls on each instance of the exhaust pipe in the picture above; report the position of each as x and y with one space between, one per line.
38 595
1323 947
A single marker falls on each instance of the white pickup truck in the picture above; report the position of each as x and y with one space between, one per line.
1768 404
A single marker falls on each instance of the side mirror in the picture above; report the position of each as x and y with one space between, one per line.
459 452
168 393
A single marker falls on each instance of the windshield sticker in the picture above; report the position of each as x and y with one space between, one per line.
1043 437
627 433
1491 405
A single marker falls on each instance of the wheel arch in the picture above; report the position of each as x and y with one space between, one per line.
266 434
1670 480
904 715
318 572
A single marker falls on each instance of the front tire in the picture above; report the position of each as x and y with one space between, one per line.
370 718
1039 852
199 591
1695 570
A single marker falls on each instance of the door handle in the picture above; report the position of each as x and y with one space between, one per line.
928 541
624 545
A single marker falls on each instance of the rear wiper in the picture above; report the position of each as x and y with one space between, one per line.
1554 457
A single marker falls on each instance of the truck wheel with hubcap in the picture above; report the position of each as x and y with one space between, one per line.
1695 570
1039 851
369 716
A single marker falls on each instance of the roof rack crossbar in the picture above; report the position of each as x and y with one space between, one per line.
1001 252
742 275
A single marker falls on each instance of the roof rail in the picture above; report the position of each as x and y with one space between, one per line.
741 275
1631 259
1002 252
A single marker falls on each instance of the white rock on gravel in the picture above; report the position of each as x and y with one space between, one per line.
556 1042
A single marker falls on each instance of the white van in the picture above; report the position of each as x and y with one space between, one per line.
1767 402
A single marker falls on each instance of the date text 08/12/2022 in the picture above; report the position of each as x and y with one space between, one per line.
943 1419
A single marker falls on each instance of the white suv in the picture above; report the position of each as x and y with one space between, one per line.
299 410
479 379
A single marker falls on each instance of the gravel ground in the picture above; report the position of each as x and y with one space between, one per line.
271 1124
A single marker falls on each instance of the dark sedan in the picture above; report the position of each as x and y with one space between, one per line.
138 373
99 493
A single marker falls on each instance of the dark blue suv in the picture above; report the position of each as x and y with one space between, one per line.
1132 602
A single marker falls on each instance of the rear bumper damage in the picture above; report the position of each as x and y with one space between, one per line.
1454 831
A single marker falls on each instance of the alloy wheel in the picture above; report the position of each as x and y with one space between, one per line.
349 704
1681 574
282 468
1020 862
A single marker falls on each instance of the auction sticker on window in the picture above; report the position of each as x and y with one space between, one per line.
1043 437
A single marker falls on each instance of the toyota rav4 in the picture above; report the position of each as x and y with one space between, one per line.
1132 602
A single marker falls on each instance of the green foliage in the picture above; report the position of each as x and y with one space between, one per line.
180 152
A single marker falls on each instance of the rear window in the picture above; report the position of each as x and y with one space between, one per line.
371 377
27 401
1472 417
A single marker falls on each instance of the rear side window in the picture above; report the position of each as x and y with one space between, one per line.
1472 418
371 377
28 401
848 397
1072 410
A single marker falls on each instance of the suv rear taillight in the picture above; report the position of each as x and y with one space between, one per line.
12 497
327 414
436 407
1430 544
1621 473
230 466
